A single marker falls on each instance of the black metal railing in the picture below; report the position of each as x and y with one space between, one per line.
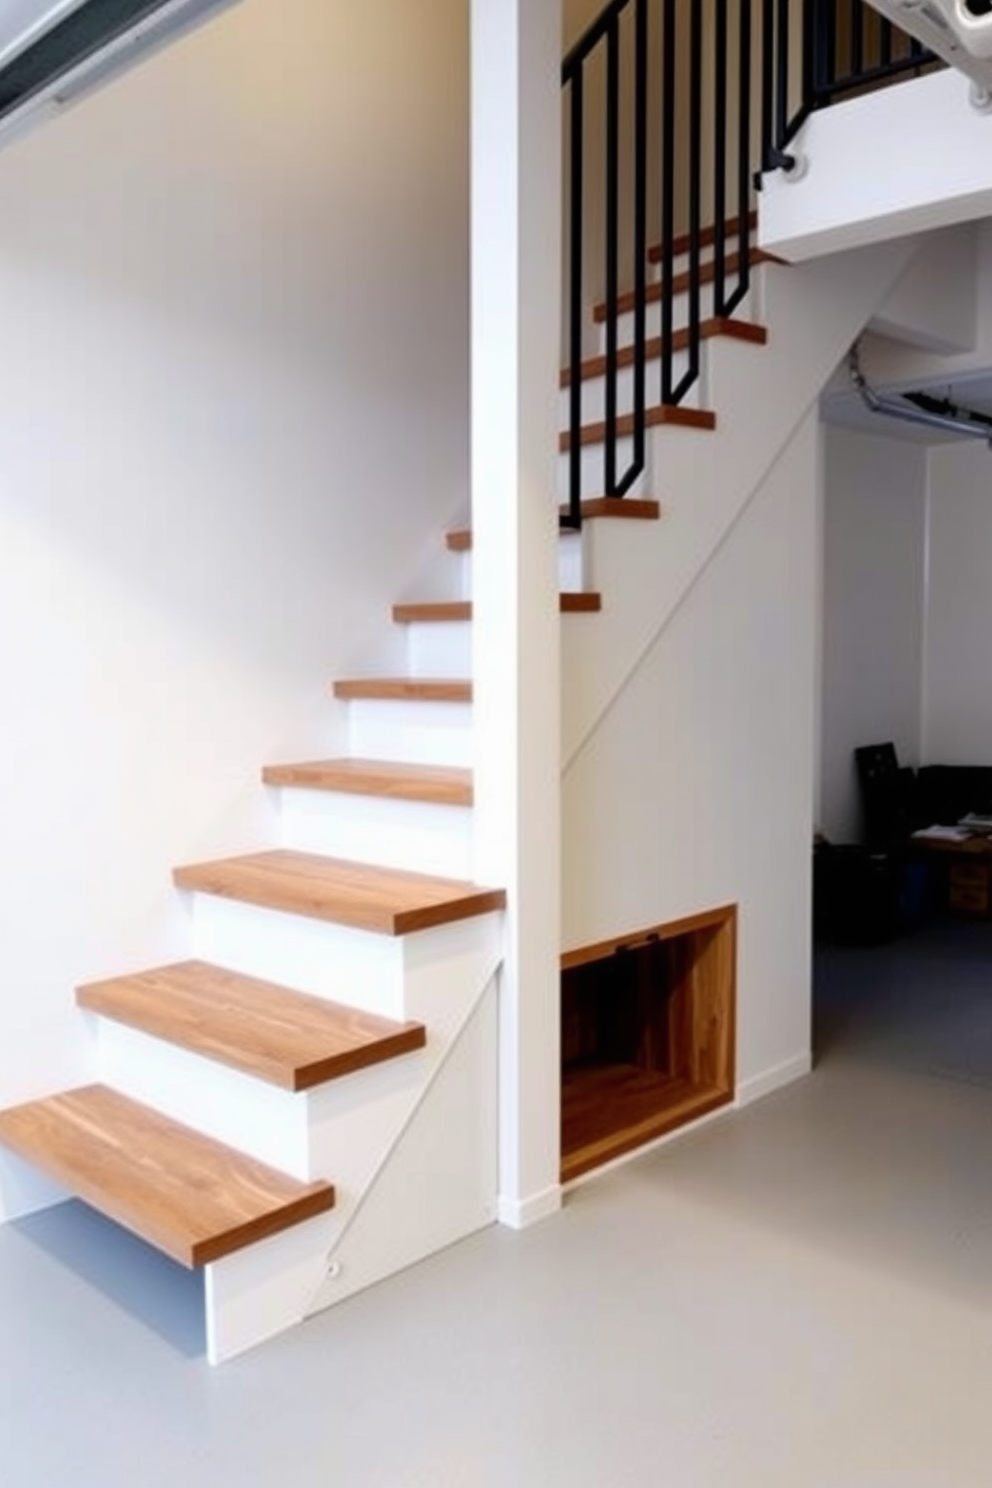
845 47
673 109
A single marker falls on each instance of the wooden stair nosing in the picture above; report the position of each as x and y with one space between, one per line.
410 689
441 785
629 507
427 611
278 1035
570 602
707 237
388 901
664 413
581 602
680 284
713 326
190 1196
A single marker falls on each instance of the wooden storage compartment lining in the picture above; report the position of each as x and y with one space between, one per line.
968 888
647 1036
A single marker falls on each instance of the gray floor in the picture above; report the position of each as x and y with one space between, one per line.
797 1296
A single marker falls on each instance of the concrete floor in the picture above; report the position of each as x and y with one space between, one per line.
796 1297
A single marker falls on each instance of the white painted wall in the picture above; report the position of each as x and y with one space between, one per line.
934 305
233 417
892 364
712 737
874 546
958 675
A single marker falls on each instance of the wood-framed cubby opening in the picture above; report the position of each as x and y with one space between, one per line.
648 1028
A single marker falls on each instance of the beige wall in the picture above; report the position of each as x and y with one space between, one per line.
233 416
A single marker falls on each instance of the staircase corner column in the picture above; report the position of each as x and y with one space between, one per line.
516 296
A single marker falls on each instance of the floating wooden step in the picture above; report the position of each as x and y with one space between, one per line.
387 900
427 612
570 602
664 413
706 237
278 1035
443 785
714 325
581 602
680 284
184 1193
413 689
628 507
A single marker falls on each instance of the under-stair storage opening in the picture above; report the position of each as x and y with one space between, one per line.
647 1036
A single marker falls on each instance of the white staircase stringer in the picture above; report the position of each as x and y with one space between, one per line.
413 1161
705 480
438 1183
355 1124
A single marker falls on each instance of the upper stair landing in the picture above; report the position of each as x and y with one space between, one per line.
885 165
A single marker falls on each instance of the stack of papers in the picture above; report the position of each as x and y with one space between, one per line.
976 821
943 834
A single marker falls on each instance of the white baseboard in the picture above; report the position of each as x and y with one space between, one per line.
519 1214
773 1079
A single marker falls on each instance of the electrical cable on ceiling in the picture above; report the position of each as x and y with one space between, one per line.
920 408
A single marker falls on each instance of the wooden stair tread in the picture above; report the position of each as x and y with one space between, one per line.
580 602
629 507
707 237
387 900
191 1197
627 301
444 785
414 689
426 611
712 326
284 1037
570 601
663 413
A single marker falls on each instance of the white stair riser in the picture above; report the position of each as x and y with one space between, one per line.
594 390
330 961
625 332
422 733
360 968
301 1133
440 648
418 835
462 588
593 466
251 1115
571 566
